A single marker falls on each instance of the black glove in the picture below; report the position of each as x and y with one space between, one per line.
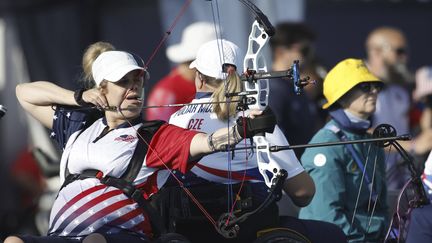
265 122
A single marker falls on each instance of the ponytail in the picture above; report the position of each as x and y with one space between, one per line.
90 55
225 110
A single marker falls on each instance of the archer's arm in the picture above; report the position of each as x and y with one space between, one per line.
38 97
203 144
299 186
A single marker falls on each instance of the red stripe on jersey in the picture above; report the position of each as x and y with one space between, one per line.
125 217
223 173
89 205
74 200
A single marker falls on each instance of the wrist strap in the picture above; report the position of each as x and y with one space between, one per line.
210 142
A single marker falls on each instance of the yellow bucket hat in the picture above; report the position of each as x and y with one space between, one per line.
343 77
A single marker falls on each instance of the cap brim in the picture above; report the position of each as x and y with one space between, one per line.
179 53
119 73
328 104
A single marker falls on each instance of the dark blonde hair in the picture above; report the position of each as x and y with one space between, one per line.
89 56
223 110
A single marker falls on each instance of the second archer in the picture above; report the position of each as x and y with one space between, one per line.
217 61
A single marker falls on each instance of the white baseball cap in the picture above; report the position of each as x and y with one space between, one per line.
193 37
113 65
209 59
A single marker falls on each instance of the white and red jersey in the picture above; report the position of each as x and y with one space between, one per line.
215 167
87 206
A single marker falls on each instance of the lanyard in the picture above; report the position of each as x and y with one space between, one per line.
357 159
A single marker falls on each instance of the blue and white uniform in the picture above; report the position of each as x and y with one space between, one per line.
214 167
88 206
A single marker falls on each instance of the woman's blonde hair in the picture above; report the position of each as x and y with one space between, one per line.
90 54
233 85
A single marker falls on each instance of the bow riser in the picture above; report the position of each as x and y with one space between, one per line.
254 60
258 38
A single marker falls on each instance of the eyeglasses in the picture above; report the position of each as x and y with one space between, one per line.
368 86
400 51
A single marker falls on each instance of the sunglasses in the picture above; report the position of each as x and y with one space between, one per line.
368 86
400 51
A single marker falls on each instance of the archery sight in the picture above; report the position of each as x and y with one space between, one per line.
252 77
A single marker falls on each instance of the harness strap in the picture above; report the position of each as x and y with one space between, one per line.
125 182
356 157
136 194
149 128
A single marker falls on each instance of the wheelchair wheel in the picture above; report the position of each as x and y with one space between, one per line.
281 235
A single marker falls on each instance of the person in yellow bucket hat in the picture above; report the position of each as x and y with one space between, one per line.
343 77
345 196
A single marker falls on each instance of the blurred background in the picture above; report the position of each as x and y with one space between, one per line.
45 40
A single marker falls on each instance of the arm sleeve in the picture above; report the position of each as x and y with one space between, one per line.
66 121
170 147
325 166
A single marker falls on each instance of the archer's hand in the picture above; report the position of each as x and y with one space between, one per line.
96 97
257 122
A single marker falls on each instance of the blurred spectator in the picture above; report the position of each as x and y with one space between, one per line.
347 185
297 115
178 86
423 87
421 223
423 98
387 56
421 111
24 188
29 178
